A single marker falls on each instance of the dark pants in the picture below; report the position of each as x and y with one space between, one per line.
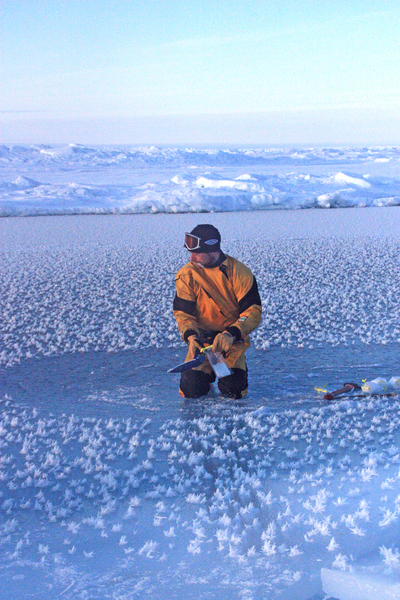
197 383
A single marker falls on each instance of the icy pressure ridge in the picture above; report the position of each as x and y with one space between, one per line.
100 297
161 156
249 501
40 180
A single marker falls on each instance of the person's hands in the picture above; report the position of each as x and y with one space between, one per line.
194 345
222 342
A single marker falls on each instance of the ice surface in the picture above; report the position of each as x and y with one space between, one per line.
80 284
113 486
352 586
40 180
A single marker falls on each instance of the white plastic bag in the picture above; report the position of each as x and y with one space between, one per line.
394 384
218 363
376 386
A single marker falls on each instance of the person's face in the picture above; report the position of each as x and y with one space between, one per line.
204 259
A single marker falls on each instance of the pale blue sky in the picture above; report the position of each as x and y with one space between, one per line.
206 71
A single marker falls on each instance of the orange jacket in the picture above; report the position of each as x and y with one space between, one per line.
223 297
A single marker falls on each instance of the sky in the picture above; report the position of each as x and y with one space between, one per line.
204 71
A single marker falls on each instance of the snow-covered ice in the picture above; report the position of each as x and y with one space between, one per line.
38 180
112 486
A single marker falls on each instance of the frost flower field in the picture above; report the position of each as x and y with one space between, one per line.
249 503
112 486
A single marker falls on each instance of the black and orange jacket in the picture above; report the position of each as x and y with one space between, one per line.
223 297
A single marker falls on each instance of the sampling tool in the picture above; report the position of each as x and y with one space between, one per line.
346 389
377 387
216 360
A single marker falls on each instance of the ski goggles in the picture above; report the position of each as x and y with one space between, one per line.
192 242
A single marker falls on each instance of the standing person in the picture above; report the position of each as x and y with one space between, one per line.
216 301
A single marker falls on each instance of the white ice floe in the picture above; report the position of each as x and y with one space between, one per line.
355 181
